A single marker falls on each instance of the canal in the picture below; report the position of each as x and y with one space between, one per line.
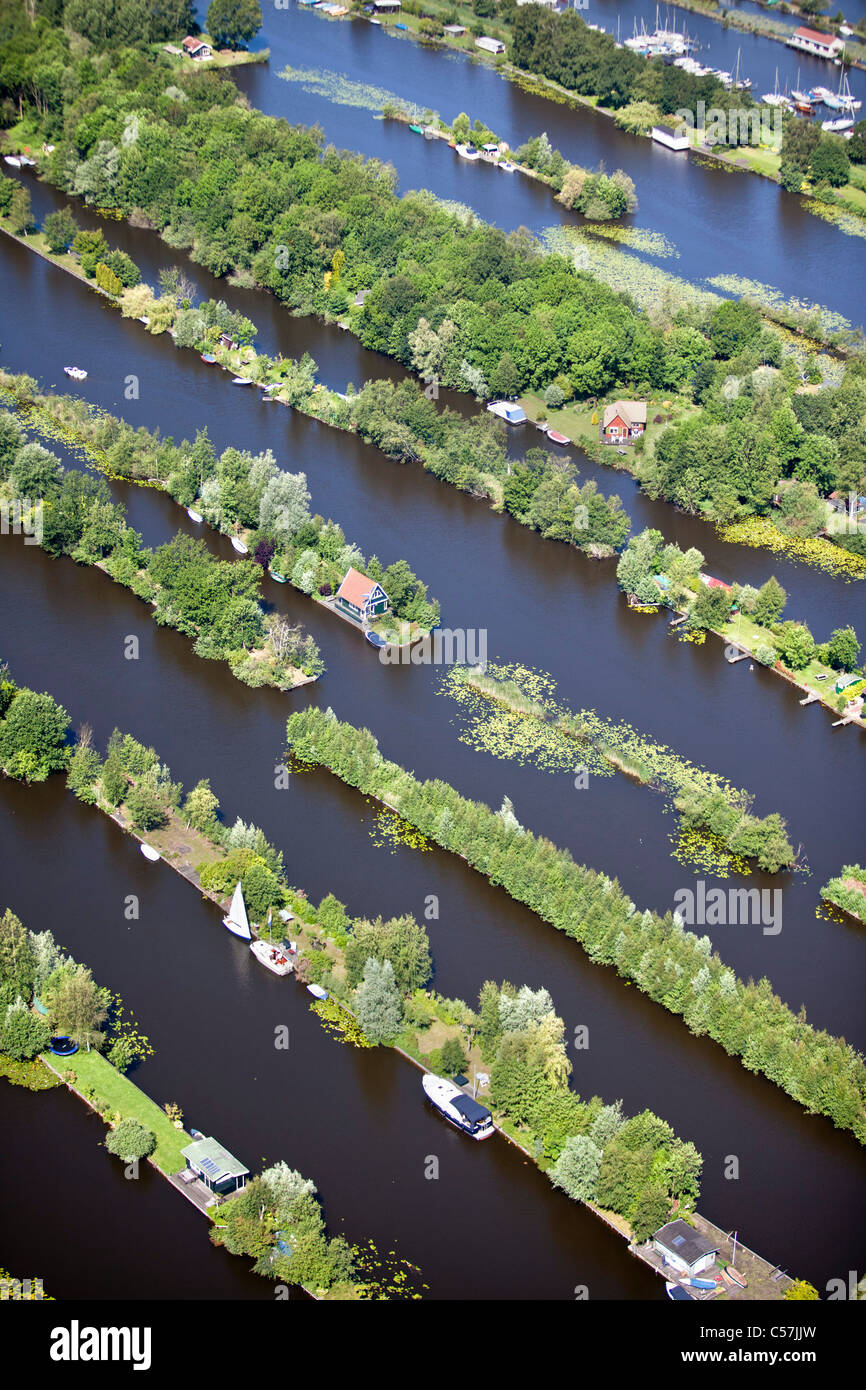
62 628
715 220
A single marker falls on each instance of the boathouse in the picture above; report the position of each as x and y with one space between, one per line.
454 31
622 421
194 48
213 1165
818 44
360 597
681 1246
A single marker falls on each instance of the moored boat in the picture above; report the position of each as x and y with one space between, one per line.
277 577
207 357
13 159
239 546
459 1109
556 438
242 381
237 920
467 152
677 1292
77 373
273 958
506 166
374 639
839 124
317 991
509 412
150 853
194 515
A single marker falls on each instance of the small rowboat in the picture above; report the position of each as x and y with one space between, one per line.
556 438
375 640
207 357
317 991
507 167
242 381
194 516
239 546
150 853
278 578
735 1277
415 129
12 159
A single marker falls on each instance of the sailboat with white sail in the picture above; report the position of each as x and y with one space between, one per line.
237 920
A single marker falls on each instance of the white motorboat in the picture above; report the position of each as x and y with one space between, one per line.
467 152
273 958
194 515
150 853
77 373
237 920
459 1109
239 546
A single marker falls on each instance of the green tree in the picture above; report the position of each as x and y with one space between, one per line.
33 737
577 1168
130 1140
145 807
377 1002
201 807
652 1211
85 767
77 1006
23 1034
35 472
844 648
770 602
232 23
331 916
453 1056
795 645
17 959
20 213
115 782
60 228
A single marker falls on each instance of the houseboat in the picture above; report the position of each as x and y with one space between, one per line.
459 1109
670 138
509 412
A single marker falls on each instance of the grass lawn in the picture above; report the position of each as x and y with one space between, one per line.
112 1088
575 420
742 629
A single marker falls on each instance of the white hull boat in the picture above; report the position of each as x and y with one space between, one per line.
77 373
272 957
150 853
193 515
239 546
237 921
459 1109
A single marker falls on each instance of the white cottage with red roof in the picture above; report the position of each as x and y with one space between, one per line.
360 597
814 42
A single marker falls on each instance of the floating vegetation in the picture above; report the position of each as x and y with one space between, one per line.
340 89
760 533
388 828
386 1276
697 636
638 239
769 298
648 285
510 711
516 717
847 222
706 853
340 1023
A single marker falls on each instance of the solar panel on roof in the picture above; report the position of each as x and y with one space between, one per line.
209 1166
678 1240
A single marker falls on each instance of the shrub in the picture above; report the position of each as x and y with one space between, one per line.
130 1140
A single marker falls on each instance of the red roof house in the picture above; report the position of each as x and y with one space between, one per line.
360 597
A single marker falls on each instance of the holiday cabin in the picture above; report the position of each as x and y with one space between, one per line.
360 597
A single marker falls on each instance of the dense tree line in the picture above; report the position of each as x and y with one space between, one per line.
676 968
214 602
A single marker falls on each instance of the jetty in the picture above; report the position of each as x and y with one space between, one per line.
761 1281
